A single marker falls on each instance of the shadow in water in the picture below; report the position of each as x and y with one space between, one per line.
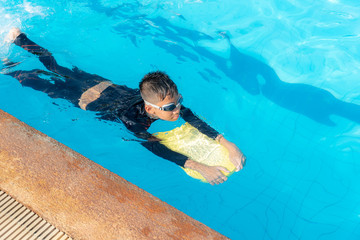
257 77
253 75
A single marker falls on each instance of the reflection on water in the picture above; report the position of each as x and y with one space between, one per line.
255 76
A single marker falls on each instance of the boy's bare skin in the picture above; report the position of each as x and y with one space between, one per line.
12 35
212 174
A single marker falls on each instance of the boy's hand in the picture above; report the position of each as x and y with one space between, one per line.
236 156
212 174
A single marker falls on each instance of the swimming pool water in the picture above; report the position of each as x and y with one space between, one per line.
278 78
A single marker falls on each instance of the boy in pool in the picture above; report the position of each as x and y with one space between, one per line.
137 109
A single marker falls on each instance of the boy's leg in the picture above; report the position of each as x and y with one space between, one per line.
73 84
54 88
75 76
61 83
86 80
44 55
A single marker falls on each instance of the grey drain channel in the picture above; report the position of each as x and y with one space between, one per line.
18 222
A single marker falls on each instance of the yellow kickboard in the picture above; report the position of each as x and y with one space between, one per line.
188 141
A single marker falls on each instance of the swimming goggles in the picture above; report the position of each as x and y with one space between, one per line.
167 107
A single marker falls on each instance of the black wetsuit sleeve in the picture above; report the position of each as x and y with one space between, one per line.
154 145
138 125
162 151
196 122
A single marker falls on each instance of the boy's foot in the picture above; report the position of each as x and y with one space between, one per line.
7 65
12 35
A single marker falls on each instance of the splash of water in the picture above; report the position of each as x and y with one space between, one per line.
16 14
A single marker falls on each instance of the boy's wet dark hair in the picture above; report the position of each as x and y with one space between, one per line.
155 86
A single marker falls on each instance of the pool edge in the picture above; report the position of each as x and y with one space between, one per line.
80 197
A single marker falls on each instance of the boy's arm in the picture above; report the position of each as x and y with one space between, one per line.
162 151
212 174
196 122
236 156
139 128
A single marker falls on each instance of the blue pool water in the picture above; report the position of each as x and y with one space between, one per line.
278 78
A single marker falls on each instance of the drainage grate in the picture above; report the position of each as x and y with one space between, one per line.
18 222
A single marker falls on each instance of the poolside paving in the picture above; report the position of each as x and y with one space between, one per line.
81 198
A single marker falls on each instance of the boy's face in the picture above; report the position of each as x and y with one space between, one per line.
165 115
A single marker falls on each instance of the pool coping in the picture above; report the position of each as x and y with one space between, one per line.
80 197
